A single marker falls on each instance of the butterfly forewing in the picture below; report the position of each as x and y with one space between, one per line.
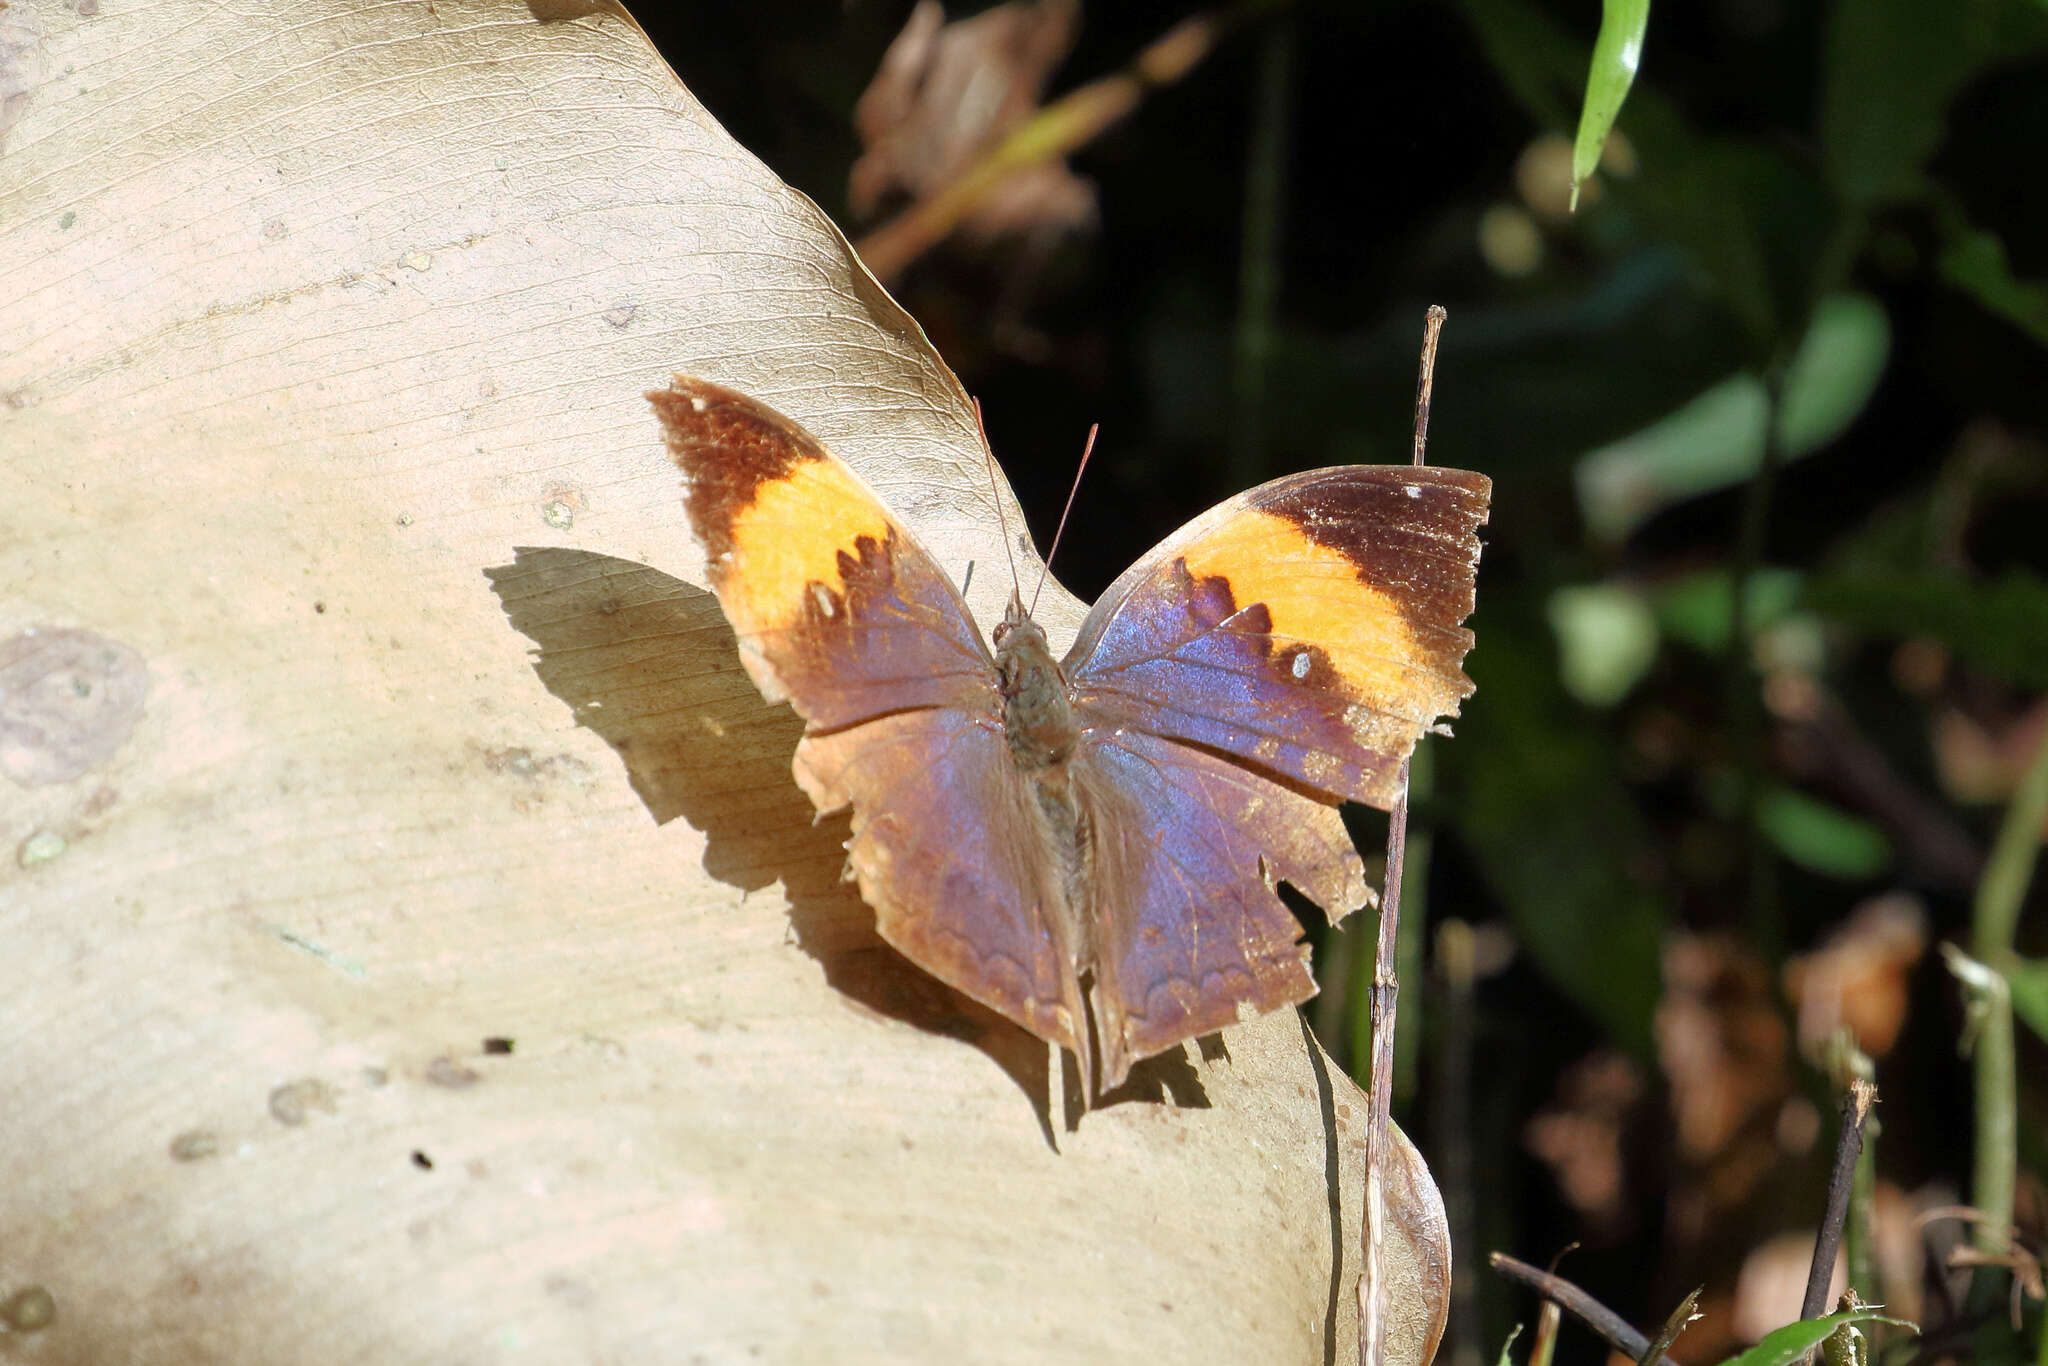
836 607
1310 628
839 610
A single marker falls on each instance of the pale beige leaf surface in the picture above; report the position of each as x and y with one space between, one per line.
358 705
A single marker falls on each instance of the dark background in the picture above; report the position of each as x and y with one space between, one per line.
1652 831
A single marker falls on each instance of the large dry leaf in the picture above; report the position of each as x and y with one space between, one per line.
352 678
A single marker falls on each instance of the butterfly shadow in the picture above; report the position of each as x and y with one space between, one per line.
648 663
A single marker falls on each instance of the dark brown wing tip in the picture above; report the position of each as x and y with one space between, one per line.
686 407
716 433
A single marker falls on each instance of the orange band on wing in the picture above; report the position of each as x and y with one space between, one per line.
1313 593
790 536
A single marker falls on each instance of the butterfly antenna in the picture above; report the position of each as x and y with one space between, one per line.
995 491
1432 323
1061 529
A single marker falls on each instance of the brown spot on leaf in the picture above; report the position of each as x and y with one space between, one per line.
24 66
446 1072
29 1309
293 1102
68 700
197 1144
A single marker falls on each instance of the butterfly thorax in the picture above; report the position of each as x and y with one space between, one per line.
1038 720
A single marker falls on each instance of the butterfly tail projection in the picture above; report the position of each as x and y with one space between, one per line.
1191 935
937 850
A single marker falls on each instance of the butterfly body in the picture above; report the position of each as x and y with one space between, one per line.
1097 836
1038 715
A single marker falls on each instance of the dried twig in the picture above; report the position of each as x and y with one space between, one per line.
1611 1327
1855 1112
1543 1346
1386 984
1059 128
1372 1307
1681 1319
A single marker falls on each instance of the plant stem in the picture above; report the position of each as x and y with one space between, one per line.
1995 922
1062 126
1996 917
1828 1243
1386 987
1612 1328
1408 948
1988 1032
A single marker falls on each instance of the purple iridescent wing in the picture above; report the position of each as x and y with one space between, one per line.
841 612
1275 657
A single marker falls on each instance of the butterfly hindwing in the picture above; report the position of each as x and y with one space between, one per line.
944 850
1189 933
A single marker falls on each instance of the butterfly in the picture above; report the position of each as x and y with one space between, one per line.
1096 838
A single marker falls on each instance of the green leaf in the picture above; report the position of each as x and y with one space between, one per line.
1606 640
1717 440
1556 833
1821 838
2027 979
1699 609
1617 51
1892 68
1513 1333
1783 1346
1995 627
1975 262
1834 372
1713 442
1704 195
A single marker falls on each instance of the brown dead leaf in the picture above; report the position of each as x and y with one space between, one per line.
1980 760
1579 1136
1860 977
1772 1281
1723 1047
947 93
323 330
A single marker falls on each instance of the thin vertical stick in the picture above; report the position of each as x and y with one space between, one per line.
1994 931
1828 1242
1432 324
1386 986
